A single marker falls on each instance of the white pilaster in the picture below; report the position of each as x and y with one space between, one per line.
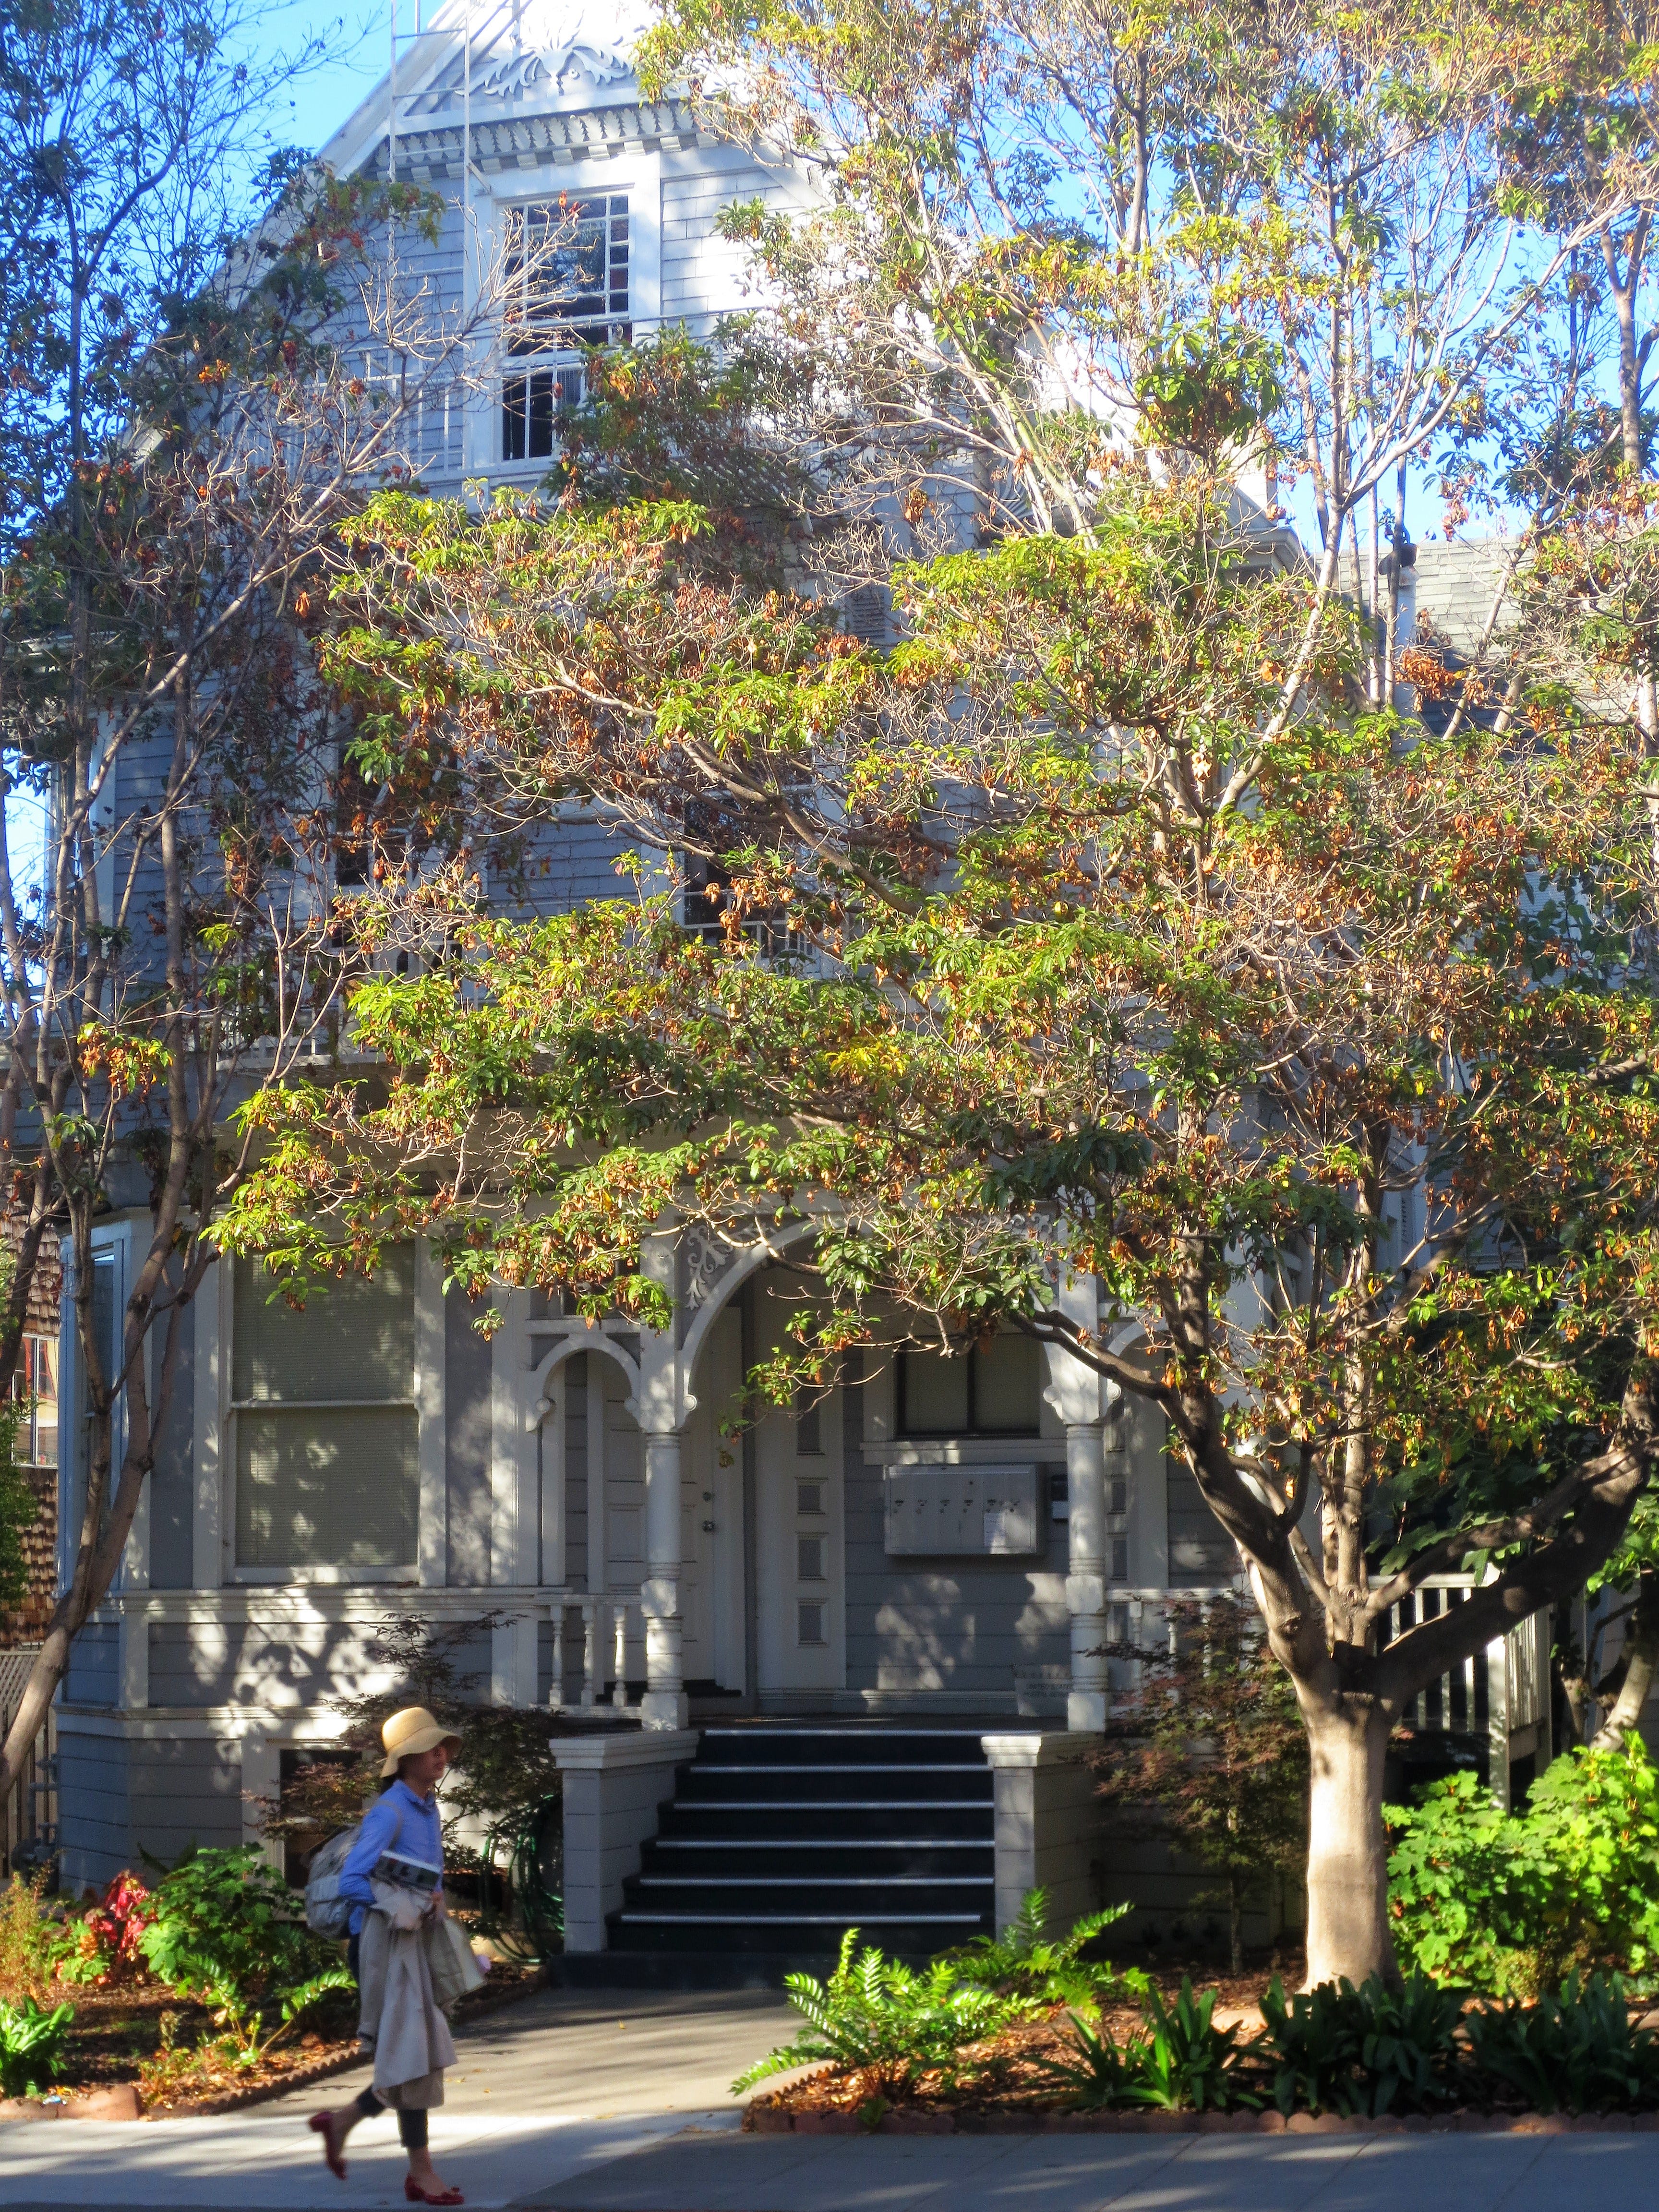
1076 1393
664 1705
514 1506
433 1536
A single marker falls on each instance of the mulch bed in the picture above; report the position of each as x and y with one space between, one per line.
117 2027
1008 2094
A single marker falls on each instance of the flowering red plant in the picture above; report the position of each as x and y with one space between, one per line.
103 1943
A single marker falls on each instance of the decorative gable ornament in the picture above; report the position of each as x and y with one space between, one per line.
560 44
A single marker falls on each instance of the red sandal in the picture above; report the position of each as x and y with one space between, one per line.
416 2194
322 2123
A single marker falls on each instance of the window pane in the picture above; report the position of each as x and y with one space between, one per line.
809 1424
326 1490
933 1394
354 1338
43 1384
1008 1388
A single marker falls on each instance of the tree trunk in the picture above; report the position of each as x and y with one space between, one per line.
1236 1921
1347 1854
1638 1662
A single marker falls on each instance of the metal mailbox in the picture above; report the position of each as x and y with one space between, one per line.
963 1512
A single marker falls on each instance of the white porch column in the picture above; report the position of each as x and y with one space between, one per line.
1085 1580
1077 1394
661 1408
664 1704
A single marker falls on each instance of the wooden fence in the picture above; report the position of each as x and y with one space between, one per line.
28 1813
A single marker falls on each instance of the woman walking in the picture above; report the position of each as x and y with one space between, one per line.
394 1876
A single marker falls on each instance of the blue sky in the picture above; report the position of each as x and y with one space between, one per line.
359 40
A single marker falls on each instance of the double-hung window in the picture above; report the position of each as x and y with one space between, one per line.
994 1390
326 1427
566 267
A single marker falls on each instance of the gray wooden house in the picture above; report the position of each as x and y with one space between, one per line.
844 1670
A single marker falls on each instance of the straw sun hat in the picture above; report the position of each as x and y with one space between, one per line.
411 1730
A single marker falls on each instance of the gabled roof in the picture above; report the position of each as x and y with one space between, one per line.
507 62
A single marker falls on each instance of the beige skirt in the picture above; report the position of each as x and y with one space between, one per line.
416 2027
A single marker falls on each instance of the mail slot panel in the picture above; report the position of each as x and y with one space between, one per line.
963 1511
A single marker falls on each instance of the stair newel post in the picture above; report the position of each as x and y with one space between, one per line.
590 1651
1077 1394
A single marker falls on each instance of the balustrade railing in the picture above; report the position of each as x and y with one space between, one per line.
609 1628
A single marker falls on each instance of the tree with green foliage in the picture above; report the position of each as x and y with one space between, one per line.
185 309
1150 929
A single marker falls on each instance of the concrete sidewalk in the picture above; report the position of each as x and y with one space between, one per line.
578 2102
721 2172
543 2092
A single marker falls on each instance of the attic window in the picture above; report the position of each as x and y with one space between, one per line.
566 267
566 273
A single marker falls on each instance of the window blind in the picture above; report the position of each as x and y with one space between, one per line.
339 1488
327 1463
354 1338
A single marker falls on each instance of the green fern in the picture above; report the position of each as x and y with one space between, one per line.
877 2016
1024 1963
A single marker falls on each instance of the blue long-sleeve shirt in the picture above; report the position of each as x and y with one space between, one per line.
401 1820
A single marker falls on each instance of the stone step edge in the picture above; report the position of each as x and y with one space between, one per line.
764 2120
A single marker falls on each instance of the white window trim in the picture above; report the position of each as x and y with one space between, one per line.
430 1566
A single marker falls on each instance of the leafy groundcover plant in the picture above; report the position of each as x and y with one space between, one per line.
887 2022
1578 2051
1026 1962
31 2045
1512 1904
1369 2050
226 1931
1182 2061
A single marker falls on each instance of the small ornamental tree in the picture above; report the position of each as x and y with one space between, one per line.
184 314
1212 1739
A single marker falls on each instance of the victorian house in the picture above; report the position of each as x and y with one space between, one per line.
843 1669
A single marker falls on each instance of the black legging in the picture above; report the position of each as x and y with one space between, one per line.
411 2125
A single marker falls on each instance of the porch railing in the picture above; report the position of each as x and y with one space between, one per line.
609 1629
28 1813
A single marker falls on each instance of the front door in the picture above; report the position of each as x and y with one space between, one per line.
802 1614
624 1564
711 1514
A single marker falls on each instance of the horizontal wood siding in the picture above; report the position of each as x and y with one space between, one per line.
964 1625
703 273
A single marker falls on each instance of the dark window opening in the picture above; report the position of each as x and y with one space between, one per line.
532 408
709 901
994 1390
